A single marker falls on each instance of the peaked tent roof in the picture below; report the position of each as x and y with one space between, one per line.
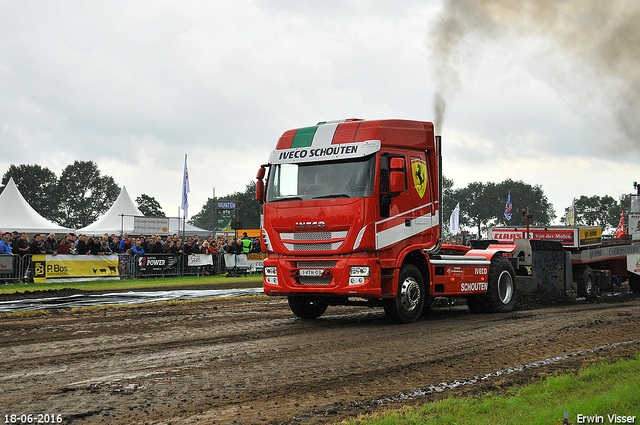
119 219
16 214
175 226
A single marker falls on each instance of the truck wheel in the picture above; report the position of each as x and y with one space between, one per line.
587 284
307 307
634 283
476 303
501 289
408 303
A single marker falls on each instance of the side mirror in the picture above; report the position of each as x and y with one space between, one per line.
397 178
260 190
260 184
397 182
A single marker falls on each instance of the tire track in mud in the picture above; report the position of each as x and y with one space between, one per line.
250 361
445 386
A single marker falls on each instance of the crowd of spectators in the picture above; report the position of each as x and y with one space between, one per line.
19 244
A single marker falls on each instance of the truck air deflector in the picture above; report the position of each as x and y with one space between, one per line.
316 153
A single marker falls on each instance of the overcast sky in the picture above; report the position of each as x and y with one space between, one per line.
545 93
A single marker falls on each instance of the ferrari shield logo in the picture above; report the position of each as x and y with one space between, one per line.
419 171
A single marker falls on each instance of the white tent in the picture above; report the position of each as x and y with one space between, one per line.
120 219
16 214
175 226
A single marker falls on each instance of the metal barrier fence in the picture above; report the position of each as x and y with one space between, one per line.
14 268
10 268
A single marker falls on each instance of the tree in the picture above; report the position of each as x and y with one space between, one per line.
248 209
38 187
149 206
204 218
482 204
477 204
448 203
84 194
598 211
523 197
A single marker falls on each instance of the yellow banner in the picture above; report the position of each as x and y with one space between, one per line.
590 236
74 266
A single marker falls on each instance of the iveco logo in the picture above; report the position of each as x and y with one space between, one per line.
309 225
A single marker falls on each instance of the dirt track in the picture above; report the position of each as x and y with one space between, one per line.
250 361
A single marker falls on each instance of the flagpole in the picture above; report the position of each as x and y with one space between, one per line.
185 201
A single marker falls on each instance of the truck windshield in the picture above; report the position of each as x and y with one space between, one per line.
315 180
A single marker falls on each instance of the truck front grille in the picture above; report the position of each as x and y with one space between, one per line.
313 241
312 246
319 264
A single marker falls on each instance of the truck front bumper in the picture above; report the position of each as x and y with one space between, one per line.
348 276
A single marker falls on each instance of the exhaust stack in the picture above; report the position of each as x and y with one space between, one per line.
436 248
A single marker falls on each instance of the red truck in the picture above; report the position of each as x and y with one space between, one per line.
352 217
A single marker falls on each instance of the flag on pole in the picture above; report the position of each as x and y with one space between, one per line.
454 220
507 208
570 218
620 230
185 188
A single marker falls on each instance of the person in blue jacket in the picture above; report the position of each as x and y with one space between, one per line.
137 249
5 245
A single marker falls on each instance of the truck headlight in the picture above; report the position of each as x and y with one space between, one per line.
271 275
362 271
359 275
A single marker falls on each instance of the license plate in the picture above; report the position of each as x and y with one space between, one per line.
311 272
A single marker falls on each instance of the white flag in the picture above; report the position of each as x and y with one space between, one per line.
185 188
571 215
454 220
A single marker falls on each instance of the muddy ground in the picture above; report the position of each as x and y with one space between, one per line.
249 361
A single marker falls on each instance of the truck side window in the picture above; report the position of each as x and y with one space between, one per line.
391 186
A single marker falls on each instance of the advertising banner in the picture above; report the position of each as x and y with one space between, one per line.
256 261
566 237
156 263
224 220
6 263
196 260
575 237
633 263
67 268
634 226
150 226
236 260
590 236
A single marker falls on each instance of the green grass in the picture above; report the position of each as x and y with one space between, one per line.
604 388
133 284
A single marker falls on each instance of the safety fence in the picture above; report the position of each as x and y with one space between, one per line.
43 268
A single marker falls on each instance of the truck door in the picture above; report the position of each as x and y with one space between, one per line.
420 191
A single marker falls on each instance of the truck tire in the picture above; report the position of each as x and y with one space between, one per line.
407 305
307 307
634 283
476 303
501 289
587 284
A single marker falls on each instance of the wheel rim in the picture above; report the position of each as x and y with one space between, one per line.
410 294
505 287
588 284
